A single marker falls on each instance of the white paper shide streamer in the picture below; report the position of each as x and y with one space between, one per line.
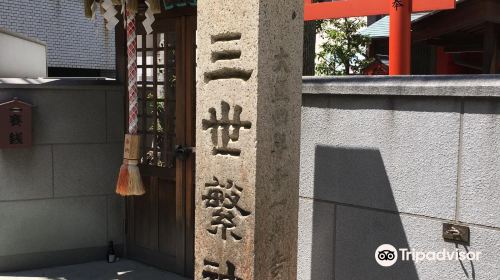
94 9
150 19
110 14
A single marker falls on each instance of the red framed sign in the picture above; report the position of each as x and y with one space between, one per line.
16 129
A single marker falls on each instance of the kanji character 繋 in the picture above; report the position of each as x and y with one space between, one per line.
224 198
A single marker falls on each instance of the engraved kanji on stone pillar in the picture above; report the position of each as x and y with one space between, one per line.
212 271
223 200
221 144
249 65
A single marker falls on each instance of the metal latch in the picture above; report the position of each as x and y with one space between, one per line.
456 233
182 152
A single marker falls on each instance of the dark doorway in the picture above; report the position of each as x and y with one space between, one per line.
160 224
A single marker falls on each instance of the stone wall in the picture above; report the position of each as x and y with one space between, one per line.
73 41
57 201
389 160
383 160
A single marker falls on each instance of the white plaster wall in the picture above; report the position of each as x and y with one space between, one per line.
21 58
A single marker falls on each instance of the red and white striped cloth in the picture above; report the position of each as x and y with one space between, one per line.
132 73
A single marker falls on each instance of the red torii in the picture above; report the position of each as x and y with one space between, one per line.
400 21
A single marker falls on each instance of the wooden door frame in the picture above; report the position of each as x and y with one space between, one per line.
184 188
190 61
185 169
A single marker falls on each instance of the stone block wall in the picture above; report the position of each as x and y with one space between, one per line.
57 200
388 161
73 41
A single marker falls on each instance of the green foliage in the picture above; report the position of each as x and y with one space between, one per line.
344 50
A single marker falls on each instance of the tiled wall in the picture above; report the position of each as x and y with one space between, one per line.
73 41
57 200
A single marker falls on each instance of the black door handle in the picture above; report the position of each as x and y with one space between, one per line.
182 152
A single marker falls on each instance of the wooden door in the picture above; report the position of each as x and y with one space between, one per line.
160 224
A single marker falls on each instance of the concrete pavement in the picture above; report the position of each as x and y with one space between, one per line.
121 270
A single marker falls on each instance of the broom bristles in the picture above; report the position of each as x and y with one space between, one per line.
129 180
135 186
121 185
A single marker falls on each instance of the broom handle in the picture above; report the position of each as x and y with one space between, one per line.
132 74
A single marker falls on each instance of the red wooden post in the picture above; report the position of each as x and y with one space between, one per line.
400 37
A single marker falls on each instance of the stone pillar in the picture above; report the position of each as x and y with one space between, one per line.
249 66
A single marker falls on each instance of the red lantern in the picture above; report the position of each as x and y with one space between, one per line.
16 129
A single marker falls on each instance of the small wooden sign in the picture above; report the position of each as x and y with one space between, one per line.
16 129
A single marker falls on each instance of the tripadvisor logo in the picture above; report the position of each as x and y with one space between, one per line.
387 255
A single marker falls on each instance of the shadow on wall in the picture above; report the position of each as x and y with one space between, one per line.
348 175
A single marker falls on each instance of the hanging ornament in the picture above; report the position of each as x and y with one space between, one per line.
150 19
129 178
101 10
93 9
109 14
124 14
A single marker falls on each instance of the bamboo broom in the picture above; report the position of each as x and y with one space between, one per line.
129 178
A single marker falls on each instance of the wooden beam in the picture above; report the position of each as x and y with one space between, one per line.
472 48
361 8
458 42
466 15
419 6
345 8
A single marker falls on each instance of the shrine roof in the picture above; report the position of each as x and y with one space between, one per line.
464 26
380 29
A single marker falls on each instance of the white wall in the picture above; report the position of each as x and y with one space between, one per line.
21 57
